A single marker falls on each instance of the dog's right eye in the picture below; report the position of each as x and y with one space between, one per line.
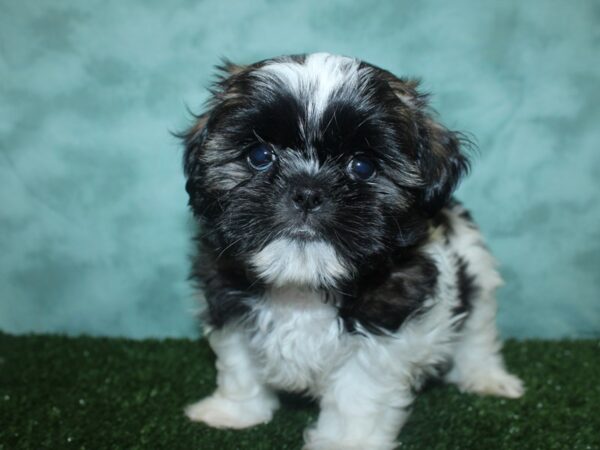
261 157
362 167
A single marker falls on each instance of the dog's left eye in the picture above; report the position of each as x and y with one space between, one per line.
362 167
261 157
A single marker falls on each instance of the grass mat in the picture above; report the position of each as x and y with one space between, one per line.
98 393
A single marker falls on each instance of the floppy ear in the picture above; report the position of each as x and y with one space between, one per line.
193 140
442 163
439 154
195 137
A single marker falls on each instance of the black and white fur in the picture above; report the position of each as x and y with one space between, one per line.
358 301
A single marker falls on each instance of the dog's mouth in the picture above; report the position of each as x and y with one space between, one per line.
304 232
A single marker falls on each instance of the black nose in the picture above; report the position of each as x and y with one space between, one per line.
307 199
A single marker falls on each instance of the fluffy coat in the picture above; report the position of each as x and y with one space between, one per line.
332 257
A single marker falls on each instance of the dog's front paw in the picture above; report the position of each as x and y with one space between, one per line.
220 412
314 441
495 382
341 445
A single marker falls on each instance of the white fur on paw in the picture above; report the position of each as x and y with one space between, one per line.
497 382
220 412
340 445
315 441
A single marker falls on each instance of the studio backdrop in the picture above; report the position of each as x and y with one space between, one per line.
95 235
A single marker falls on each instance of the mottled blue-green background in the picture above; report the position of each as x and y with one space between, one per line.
94 231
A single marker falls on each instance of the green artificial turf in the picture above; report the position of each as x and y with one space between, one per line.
89 393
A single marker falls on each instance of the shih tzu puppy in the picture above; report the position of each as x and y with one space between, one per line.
331 254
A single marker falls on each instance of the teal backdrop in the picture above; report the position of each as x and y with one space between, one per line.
94 230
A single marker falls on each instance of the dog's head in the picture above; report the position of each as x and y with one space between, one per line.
308 168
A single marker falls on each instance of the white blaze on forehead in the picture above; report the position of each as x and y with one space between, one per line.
301 164
286 261
318 75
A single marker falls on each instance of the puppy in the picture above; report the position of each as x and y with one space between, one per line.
331 254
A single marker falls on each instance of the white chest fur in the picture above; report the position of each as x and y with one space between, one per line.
297 338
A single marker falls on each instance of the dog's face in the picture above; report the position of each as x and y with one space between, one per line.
307 169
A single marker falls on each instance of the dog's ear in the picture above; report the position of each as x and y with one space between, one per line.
195 137
193 140
442 162
439 153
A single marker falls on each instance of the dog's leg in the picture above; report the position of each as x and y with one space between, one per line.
361 408
240 400
478 365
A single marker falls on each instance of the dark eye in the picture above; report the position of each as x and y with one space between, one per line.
362 167
261 157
